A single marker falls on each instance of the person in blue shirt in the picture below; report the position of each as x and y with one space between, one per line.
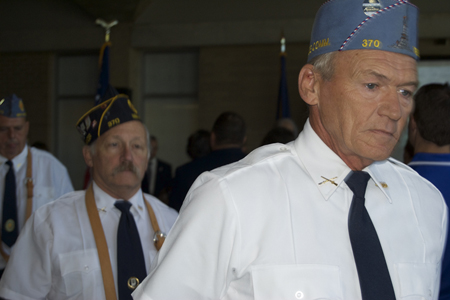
429 134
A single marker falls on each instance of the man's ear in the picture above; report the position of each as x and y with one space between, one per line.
308 84
87 156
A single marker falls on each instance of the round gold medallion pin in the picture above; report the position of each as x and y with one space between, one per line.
10 225
133 283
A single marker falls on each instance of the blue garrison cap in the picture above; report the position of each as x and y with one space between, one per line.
12 107
105 116
388 25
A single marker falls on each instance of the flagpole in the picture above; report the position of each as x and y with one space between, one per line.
283 110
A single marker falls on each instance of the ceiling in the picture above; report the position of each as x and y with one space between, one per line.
121 10
169 11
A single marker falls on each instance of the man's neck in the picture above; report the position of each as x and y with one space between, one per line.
431 148
424 146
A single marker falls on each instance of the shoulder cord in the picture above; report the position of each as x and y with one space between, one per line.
102 247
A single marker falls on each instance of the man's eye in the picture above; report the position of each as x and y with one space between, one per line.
405 93
371 86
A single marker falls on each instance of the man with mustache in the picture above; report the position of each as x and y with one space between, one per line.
29 177
329 215
98 243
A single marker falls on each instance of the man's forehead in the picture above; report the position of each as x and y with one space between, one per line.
7 121
379 63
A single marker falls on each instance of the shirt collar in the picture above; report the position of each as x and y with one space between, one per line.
105 202
19 160
326 168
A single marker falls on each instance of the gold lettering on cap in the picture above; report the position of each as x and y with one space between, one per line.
114 122
319 44
371 43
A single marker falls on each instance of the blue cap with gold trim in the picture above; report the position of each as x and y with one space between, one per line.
12 107
105 116
388 25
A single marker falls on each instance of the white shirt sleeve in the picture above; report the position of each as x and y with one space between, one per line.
30 262
196 261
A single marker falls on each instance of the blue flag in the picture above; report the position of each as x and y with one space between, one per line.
283 110
103 80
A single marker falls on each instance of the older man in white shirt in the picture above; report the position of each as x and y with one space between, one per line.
99 243
29 177
330 215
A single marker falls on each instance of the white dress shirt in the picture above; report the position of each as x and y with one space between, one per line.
274 226
55 256
50 178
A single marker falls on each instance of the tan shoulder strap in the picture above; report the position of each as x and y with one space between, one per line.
159 237
30 186
102 247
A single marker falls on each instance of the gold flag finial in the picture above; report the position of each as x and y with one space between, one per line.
107 26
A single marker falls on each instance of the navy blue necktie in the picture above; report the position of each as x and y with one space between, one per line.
9 214
130 257
374 278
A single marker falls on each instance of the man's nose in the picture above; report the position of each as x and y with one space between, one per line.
390 106
12 133
127 153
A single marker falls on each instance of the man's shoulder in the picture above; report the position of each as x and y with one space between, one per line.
265 156
419 183
266 153
400 165
66 204
45 157
159 205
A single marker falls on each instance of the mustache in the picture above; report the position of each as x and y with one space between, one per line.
127 166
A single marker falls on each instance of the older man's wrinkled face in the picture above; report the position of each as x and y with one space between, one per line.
13 136
120 158
364 107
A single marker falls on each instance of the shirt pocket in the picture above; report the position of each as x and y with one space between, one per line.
306 282
416 280
81 274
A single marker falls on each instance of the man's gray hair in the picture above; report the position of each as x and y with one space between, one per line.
324 65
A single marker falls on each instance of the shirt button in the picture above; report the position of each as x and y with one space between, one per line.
86 268
299 295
